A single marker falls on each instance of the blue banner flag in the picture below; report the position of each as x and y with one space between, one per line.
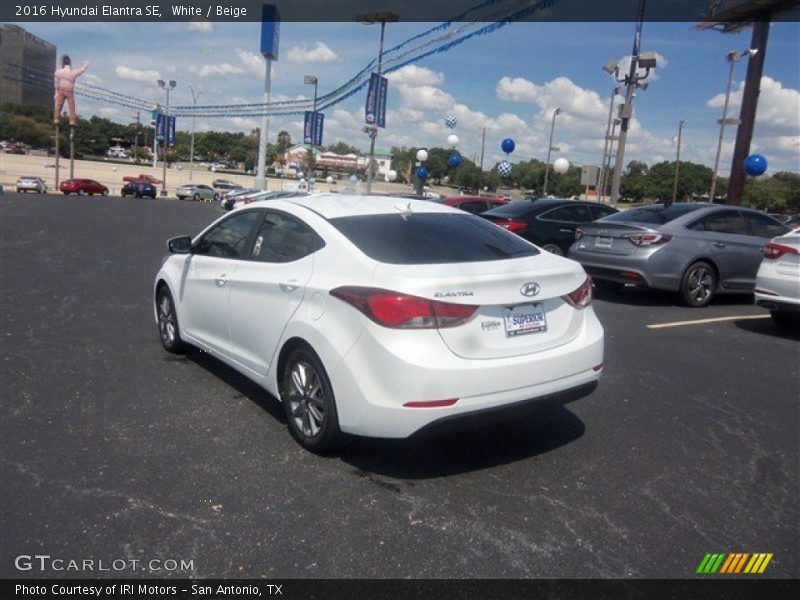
375 110
312 128
161 120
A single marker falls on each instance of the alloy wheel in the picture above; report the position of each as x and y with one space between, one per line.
700 283
167 321
306 398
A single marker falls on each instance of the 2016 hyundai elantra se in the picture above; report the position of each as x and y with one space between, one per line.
378 317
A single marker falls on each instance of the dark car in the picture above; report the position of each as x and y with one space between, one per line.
474 204
83 186
547 222
139 189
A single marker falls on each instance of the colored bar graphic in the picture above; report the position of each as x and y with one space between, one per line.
740 564
732 559
703 563
733 563
765 563
717 564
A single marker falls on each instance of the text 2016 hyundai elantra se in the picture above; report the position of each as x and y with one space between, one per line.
377 316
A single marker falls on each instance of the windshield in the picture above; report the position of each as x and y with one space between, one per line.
431 238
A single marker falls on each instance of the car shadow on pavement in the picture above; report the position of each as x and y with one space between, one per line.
247 388
768 327
634 296
464 451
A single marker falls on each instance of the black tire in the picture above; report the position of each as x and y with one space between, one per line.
82 192
606 286
197 197
308 402
698 284
216 197
168 328
784 319
553 249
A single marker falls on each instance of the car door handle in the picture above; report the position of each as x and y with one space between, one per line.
221 280
718 244
562 230
289 286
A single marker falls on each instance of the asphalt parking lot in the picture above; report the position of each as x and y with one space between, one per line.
112 449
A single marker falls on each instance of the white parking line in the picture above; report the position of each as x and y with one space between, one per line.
703 321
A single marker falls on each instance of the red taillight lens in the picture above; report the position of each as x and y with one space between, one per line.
403 311
579 233
773 250
648 239
513 225
582 297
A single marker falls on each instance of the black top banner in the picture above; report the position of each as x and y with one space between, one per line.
402 10
392 589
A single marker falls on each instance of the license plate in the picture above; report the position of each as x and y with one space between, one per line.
602 242
524 318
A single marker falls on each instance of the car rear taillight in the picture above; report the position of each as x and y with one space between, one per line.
773 250
579 233
581 297
403 311
648 239
513 225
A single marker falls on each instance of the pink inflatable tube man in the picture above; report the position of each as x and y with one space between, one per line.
65 88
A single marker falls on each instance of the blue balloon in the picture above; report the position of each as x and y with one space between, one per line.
508 145
422 172
755 165
454 160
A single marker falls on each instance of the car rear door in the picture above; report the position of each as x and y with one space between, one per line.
267 289
557 226
204 295
736 254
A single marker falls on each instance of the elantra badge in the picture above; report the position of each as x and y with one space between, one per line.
529 289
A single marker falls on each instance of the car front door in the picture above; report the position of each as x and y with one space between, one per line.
204 294
267 289
558 225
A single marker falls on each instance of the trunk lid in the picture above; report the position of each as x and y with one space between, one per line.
537 323
610 238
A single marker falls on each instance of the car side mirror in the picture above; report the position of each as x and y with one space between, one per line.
181 244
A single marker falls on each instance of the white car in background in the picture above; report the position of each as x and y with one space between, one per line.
778 279
31 183
377 318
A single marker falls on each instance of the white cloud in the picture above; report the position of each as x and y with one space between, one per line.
320 53
108 111
517 89
125 72
203 26
425 97
220 70
254 62
415 76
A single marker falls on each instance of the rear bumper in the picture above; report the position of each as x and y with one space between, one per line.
374 381
653 269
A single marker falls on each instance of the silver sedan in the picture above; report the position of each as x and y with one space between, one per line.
197 191
696 249
31 183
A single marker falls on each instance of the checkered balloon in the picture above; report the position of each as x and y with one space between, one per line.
504 168
450 121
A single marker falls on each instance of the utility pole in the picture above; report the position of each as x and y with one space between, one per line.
369 19
261 172
480 173
556 112
136 136
603 169
632 81
677 163
191 145
168 87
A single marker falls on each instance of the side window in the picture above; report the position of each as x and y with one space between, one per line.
571 213
474 206
725 221
282 238
229 238
598 212
764 226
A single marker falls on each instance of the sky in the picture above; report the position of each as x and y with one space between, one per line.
508 82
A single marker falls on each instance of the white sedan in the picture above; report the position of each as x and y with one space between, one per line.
378 317
778 279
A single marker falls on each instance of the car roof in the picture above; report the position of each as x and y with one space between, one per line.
332 206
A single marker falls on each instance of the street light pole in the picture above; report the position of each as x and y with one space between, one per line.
191 145
677 163
602 186
308 80
261 171
733 57
168 87
382 18
556 112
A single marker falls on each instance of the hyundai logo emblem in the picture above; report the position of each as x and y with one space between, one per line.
530 289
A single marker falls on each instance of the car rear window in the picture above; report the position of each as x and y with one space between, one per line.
652 215
514 209
431 238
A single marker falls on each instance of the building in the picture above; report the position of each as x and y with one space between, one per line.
27 63
296 158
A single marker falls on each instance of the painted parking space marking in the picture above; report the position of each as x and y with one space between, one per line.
704 321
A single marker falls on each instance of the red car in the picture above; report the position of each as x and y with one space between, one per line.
142 177
83 186
474 204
